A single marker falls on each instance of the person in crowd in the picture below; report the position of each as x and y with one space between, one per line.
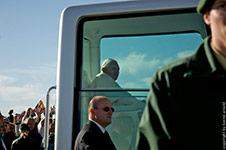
107 79
33 132
40 127
5 123
17 121
33 113
2 142
93 135
38 116
27 114
186 106
11 118
52 110
52 133
24 142
22 114
9 135
1 119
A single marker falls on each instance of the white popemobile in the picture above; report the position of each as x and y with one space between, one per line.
80 54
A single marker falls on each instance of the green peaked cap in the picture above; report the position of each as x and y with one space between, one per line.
204 5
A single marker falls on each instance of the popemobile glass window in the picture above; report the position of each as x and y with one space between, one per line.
136 47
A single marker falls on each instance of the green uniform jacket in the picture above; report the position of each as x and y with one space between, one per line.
186 106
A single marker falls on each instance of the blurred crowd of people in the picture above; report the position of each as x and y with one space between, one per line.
26 130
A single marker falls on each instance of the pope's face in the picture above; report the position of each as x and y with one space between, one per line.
112 70
31 124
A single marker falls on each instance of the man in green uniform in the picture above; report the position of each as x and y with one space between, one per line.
186 106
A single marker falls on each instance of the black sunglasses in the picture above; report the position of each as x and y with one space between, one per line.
107 109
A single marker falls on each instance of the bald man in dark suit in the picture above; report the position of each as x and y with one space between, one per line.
93 135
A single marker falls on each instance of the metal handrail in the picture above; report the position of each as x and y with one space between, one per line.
46 131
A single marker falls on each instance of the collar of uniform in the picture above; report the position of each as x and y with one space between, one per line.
101 128
210 54
203 62
219 56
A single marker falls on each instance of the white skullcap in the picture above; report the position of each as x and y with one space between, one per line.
106 62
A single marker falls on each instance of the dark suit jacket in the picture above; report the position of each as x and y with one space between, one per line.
92 138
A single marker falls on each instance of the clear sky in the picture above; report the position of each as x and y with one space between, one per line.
28 50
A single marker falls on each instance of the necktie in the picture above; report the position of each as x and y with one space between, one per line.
109 141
